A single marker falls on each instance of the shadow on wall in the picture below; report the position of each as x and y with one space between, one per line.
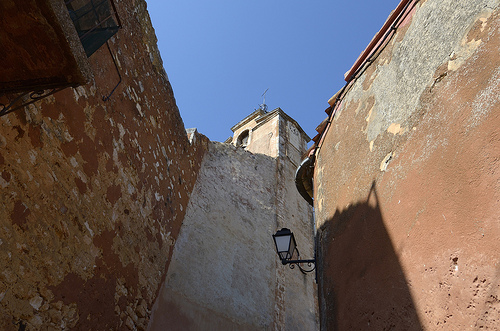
362 284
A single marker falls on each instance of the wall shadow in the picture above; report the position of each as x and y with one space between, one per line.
361 283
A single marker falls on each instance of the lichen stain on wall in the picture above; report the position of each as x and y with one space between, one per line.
93 193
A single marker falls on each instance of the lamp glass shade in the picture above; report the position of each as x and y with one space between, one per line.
285 243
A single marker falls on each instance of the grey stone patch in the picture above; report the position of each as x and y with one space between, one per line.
399 85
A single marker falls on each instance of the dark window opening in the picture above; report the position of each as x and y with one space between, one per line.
242 140
95 21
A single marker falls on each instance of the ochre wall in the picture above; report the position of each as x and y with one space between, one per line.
93 193
407 181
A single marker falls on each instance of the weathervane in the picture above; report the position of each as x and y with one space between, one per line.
263 106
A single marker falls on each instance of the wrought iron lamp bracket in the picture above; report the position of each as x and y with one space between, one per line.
292 263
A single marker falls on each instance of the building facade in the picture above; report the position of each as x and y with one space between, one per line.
113 218
94 185
225 273
97 174
407 172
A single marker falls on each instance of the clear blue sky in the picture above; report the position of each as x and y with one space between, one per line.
221 55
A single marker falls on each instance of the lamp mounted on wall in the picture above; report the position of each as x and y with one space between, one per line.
286 246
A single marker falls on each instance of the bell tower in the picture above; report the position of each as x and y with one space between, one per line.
271 133
278 135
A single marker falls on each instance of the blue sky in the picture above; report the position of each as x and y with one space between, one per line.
220 55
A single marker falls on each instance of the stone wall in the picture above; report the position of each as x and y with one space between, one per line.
407 194
93 193
223 264
225 273
296 303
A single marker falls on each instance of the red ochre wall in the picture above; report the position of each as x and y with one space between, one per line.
407 181
93 193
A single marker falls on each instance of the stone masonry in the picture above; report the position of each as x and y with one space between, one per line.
93 193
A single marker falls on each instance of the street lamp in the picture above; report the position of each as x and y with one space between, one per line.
286 246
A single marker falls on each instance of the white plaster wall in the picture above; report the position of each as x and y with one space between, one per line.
224 259
225 273
299 290
265 138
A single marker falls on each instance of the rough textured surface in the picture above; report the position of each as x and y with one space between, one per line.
222 259
407 181
93 193
224 273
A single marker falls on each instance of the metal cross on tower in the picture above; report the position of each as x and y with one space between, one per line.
263 106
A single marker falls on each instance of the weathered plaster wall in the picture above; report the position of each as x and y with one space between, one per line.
224 273
267 139
223 264
93 193
296 307
407 191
